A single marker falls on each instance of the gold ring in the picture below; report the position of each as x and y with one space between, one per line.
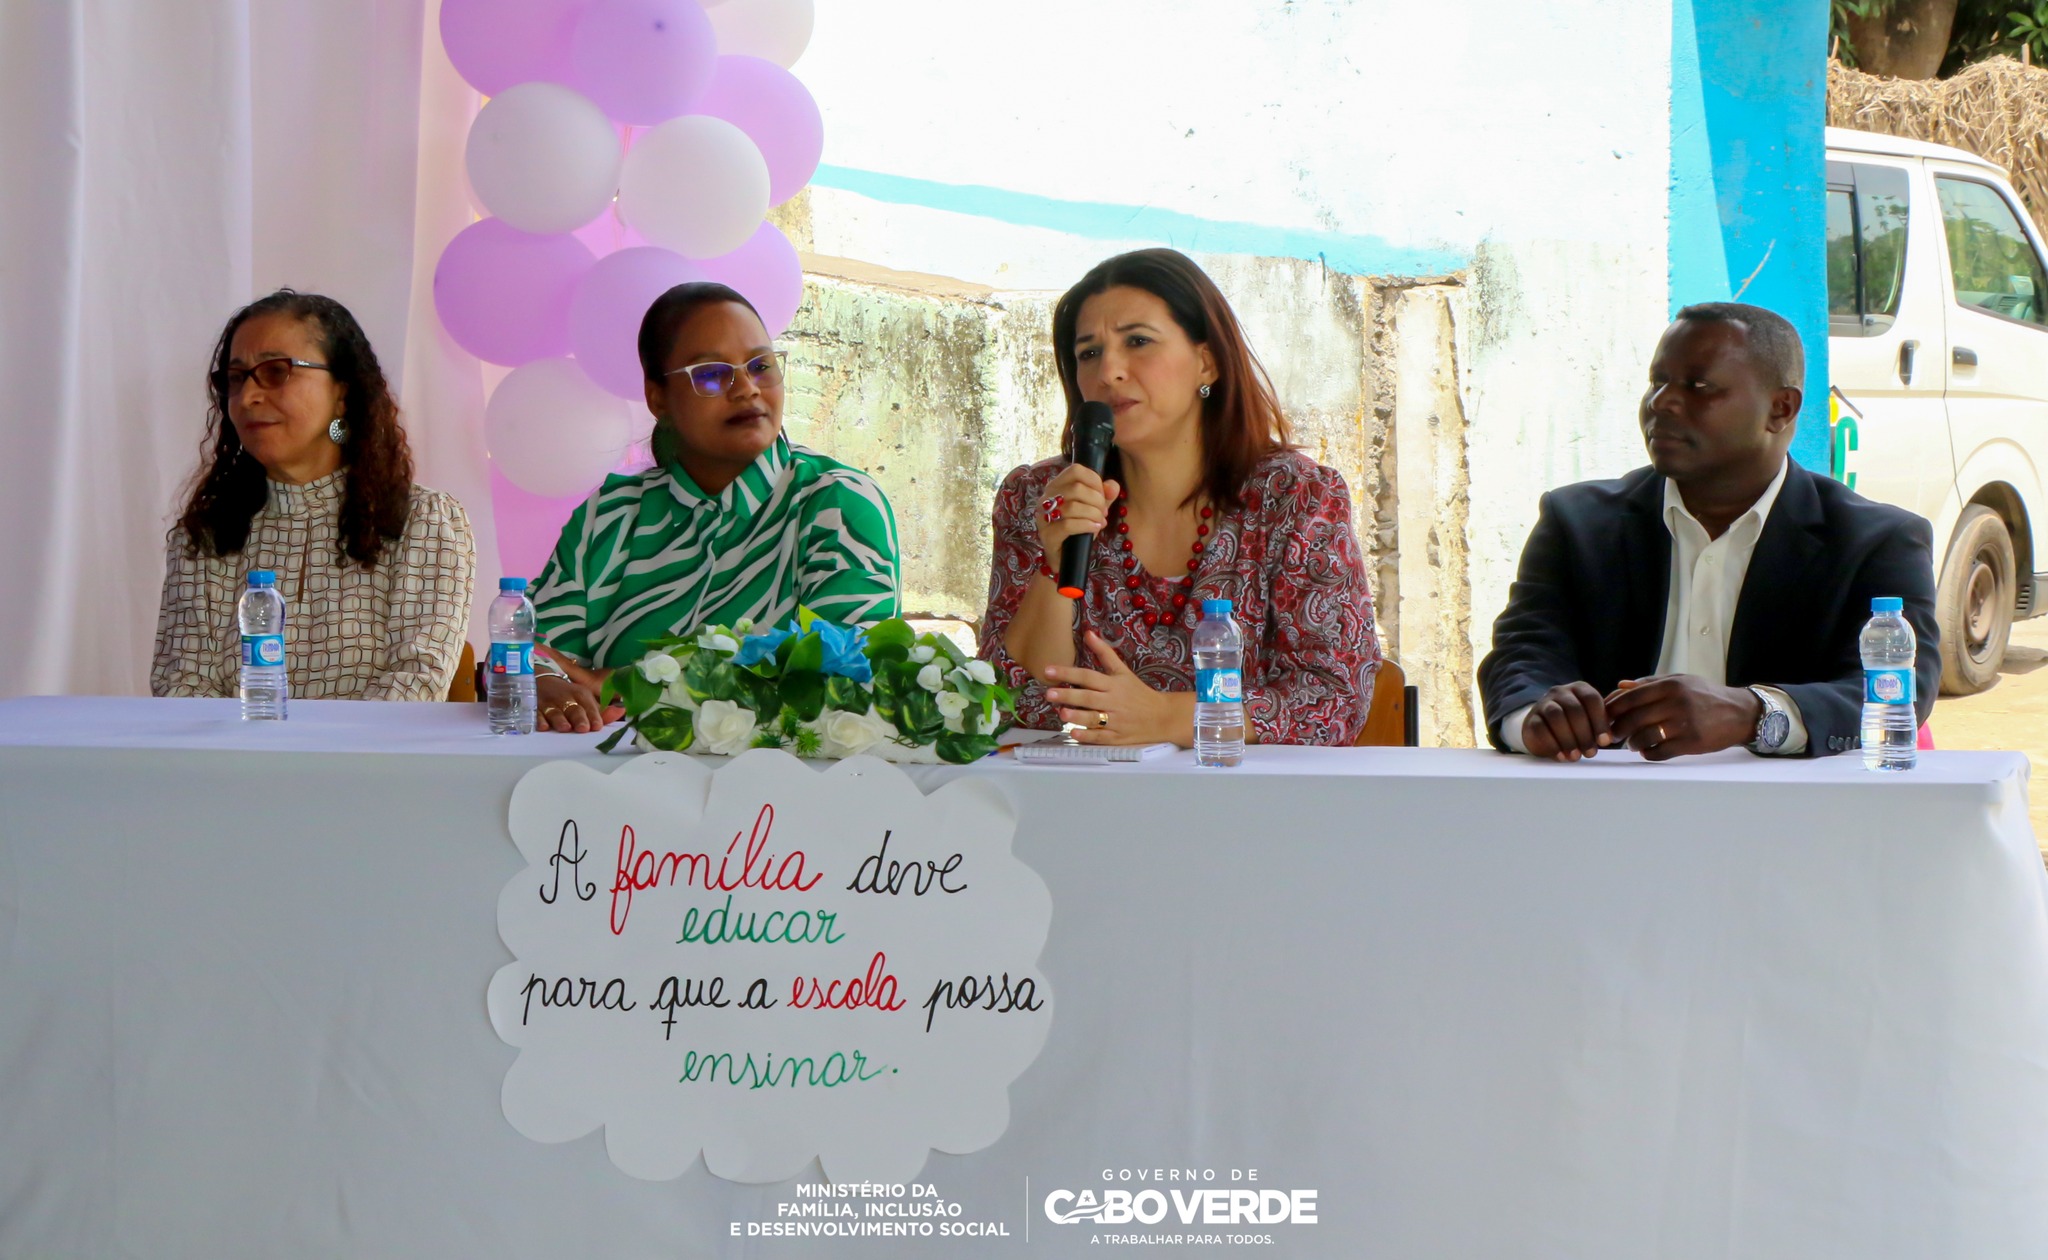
1102 719
1660 732
572 704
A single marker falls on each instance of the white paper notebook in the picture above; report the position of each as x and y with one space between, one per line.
1055 753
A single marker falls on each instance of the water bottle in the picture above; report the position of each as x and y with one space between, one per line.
509 688
1219 687
1891 726
261 613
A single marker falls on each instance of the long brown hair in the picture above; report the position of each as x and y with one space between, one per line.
230 487
1241 420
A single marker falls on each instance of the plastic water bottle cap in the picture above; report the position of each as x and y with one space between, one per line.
1215 608
511 584
261 579
1887 604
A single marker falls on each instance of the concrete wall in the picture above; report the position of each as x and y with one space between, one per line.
1011 147
940 388
1748 178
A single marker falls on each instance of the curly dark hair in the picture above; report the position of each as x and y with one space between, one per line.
230 487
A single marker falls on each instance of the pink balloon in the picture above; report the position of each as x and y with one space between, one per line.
495 44
503 295
768 271
608 234
644 61
528 525
778 115
605 314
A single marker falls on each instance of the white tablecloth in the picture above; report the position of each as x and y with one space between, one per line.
1484 1007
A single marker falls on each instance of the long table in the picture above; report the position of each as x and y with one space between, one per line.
1484 1007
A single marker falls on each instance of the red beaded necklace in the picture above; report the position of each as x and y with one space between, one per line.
1130 564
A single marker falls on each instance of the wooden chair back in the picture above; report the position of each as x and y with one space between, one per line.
462 687
1393 719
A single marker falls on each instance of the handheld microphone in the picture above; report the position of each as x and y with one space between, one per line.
1094 430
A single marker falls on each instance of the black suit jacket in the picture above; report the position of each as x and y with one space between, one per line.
1588 601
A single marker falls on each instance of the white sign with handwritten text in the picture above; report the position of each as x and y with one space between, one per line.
767 964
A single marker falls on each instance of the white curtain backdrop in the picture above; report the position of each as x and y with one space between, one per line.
161 164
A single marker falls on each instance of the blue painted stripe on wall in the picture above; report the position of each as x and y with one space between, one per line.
1352 255
1748 107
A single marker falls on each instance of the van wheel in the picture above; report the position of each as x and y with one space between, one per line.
1974 604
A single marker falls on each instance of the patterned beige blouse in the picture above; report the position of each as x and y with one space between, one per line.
394 632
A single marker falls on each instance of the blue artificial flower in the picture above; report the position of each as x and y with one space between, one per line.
844 651
756 648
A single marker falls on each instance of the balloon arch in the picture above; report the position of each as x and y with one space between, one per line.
625 146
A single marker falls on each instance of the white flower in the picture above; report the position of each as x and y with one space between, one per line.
712 641
930 678
724 728
844 734
660 667
954 705
981 672
923 652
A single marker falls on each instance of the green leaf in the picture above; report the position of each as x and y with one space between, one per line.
803 693
766 739
670 728
709 676
808 655
762 695
918 716
962 749
844 693
667 641
804 618
611 741
893 633
946 648
879 657
638 694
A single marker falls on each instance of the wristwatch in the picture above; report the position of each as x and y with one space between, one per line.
1773 728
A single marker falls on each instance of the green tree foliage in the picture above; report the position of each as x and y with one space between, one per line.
1903 37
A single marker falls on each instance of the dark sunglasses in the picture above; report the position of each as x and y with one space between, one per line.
713 379
270 374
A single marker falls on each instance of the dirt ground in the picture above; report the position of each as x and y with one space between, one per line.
2013 714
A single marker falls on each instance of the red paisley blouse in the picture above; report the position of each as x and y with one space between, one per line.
1288 561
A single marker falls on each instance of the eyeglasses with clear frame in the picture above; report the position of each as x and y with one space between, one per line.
271 374
713 380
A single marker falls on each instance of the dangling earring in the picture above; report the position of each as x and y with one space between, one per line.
1204 391
337 432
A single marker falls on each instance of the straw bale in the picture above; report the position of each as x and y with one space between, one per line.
1997 109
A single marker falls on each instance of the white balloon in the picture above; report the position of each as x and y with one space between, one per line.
696 185
773 30
543 158
553 431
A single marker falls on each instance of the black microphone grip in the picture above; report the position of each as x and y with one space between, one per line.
1094 433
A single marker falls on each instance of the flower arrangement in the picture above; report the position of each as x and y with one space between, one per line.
813 688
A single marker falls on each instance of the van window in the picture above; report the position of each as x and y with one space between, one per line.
1994 264
1866 247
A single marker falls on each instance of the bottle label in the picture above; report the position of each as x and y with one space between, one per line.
1218 686
262 649
511 658
1888 686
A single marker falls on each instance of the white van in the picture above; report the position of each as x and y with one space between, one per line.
1938 351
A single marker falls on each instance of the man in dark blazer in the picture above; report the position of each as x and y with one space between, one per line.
1713 599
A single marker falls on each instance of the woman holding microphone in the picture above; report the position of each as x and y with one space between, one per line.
1202 498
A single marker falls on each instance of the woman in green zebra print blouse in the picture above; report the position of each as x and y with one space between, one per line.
731 522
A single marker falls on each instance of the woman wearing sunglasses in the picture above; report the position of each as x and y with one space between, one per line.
732 522
308 474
